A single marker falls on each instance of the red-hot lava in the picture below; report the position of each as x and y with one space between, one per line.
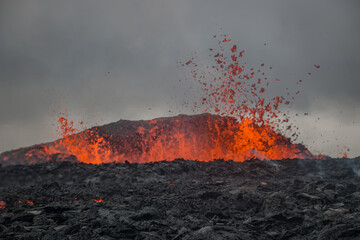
246 124
199 137
2 204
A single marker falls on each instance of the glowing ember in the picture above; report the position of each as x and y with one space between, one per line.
97 200
2 204
30 202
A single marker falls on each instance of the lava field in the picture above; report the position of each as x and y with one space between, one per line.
182 199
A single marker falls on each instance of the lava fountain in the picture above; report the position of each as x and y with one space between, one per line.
199 137
244 124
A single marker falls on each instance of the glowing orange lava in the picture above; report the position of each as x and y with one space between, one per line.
200 137
86 146
2 204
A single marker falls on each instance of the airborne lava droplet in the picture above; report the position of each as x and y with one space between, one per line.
233 49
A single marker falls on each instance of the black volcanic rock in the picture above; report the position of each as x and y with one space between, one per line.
287 199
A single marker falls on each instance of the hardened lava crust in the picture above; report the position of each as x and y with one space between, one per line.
182 199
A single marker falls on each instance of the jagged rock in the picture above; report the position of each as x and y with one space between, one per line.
287 199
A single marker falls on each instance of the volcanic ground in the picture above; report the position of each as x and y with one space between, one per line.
182 199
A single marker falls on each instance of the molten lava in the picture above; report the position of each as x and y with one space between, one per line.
200 137
2 204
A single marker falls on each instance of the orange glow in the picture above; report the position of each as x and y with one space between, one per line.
2 204
30 202
200 137
86 146
97 200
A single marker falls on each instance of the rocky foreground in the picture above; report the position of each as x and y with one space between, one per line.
288 199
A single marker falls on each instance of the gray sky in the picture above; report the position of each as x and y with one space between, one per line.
111 60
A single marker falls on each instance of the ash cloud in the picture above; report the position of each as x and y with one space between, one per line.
112 60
